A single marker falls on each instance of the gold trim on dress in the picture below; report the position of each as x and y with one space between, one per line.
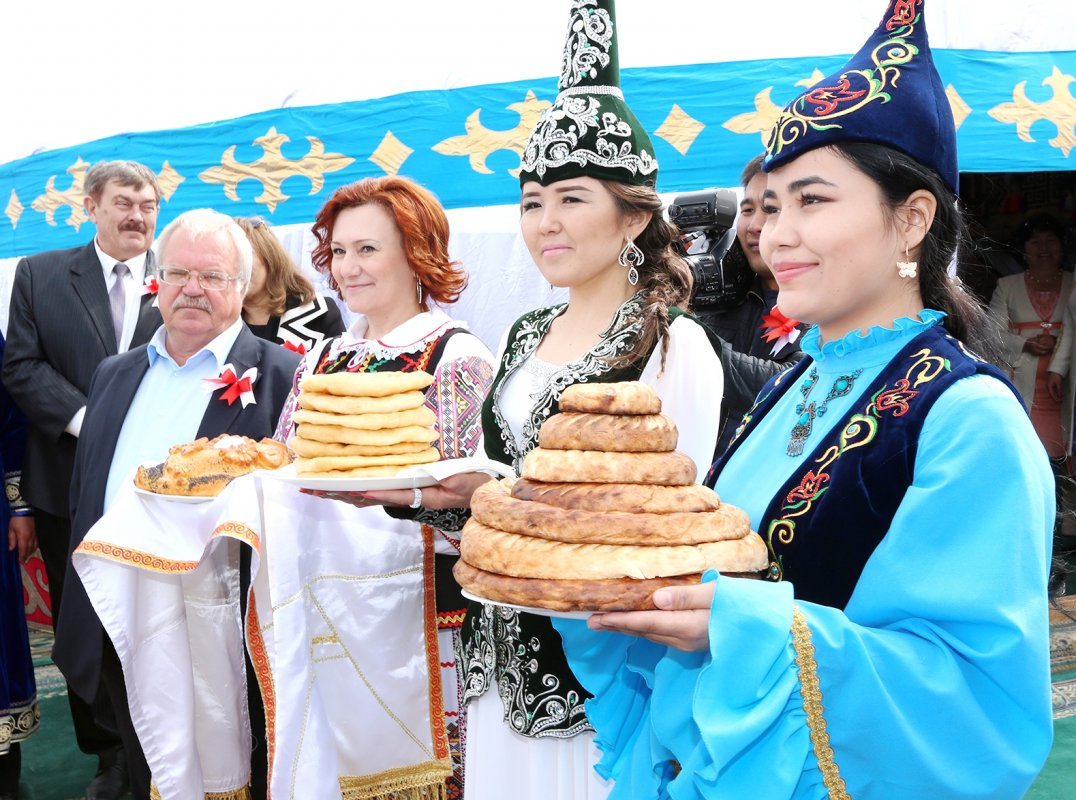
424 781
235 794
812 705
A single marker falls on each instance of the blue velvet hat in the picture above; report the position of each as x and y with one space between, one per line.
888 93
590 130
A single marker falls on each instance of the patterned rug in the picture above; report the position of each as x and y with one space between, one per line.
1063 656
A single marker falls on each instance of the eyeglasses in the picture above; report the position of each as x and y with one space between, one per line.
210 281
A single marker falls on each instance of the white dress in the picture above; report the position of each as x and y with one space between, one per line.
499 761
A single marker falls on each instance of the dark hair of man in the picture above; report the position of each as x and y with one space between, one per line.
125 173
664 277
898 175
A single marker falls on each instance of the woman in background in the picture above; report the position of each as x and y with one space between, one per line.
1030 307
19 714
281 304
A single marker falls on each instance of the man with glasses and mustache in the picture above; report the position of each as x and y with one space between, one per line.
155 396
70 309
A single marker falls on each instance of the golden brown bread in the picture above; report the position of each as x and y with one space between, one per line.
311 448
309 466
338 434
591 466
625 397
530 557
494 506
203 468
390 419
366 384
336 404
618 496
633 433
565 595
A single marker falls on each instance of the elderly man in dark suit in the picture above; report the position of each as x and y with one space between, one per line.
70 309
152 397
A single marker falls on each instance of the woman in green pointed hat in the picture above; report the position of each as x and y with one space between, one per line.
899 647
592 221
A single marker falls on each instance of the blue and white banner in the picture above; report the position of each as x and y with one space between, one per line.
1015 112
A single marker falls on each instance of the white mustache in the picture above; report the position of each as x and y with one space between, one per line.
183 301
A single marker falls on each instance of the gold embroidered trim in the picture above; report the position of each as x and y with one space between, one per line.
812 705
235 794
424 781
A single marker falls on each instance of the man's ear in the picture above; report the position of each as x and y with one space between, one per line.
90 205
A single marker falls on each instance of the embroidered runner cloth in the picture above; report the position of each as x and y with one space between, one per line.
340 627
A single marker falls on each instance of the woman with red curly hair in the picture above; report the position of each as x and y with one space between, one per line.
384 244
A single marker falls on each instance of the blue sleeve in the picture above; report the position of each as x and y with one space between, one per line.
934 681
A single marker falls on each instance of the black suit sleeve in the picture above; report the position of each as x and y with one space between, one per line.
44 395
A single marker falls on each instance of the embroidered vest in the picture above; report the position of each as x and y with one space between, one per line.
521 653
839 502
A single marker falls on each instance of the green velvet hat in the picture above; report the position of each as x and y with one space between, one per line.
590 130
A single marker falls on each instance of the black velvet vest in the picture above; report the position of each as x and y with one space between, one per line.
838 504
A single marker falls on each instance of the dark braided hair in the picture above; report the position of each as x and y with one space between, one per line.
664 276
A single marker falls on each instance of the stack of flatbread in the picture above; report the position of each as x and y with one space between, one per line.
606 512
363 424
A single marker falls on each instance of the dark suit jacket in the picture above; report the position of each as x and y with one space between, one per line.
79 636
59 330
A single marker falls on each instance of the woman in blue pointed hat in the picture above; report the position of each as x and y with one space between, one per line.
591 219
899 647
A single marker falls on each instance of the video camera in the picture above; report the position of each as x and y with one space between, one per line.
706 219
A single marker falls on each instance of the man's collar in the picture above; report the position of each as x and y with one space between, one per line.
137 265
219 347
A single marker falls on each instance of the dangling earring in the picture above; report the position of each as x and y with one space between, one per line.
907 268
418 287
632 258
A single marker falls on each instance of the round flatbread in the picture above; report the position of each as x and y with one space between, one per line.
340 434
366 384
388 471
625 397
590 466
529 557
337 404
311 448
622 594
304 466
494 506
628 433
368 422
618 496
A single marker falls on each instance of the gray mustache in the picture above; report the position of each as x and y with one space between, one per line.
183 301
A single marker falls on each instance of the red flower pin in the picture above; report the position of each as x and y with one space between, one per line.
151 287
295 348
779 329
235 388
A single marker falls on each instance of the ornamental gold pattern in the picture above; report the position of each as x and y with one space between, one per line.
811 691
480 142
272 168
1060 110
679 129
766 113
53 199
14 209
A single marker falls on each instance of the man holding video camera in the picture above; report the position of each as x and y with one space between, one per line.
735 298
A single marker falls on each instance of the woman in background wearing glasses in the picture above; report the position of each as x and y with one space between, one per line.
281 304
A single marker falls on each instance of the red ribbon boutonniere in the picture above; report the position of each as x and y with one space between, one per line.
235 388
779 329
152 287
295 348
